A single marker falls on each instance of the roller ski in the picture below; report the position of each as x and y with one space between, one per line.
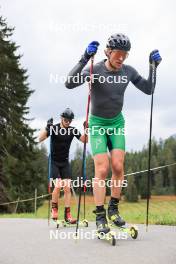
68 220
115 220
103 230
63 223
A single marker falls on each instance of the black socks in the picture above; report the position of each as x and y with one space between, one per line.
114 200
100 208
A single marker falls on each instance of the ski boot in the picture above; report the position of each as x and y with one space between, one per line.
103 230
117 221
68 217
113 213
54 211
101 221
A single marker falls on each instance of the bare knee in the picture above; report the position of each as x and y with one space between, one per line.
102 171
101 162
117 162
117 168
56 190
67 189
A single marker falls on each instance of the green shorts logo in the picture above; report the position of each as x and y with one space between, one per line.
98 142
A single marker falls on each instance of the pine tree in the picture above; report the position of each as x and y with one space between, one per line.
18 151
131 194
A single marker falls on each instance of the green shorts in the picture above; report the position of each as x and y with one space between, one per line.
106 133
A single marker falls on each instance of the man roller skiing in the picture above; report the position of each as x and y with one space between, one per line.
61 137
109 82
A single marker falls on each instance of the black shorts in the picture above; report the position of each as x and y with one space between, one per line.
60 170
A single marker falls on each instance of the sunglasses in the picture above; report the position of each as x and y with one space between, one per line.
66 120
120 54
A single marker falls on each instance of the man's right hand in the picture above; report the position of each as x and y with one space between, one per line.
90 51
46 132
49 124
85 125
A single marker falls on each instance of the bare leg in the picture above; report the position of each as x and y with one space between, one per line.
56 191
67 192
117 161
101 162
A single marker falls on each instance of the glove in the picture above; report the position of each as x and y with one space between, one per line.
49 124
84 125
92 48
155 57
90 51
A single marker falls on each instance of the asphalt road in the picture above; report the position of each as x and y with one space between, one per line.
31 241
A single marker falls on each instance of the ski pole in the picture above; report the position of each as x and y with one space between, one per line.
150 144
86 126
84 153
49 188
73 191
49 177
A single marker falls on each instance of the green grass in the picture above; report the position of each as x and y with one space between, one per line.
161 212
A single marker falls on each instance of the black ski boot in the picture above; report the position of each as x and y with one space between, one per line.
113 213
101 221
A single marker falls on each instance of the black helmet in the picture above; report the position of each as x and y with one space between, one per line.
119 41
68 113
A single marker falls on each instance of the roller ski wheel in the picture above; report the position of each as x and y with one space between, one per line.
134 232
110 237
84 223
59 223
55 222
131 231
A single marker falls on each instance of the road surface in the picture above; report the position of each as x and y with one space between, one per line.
31 241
